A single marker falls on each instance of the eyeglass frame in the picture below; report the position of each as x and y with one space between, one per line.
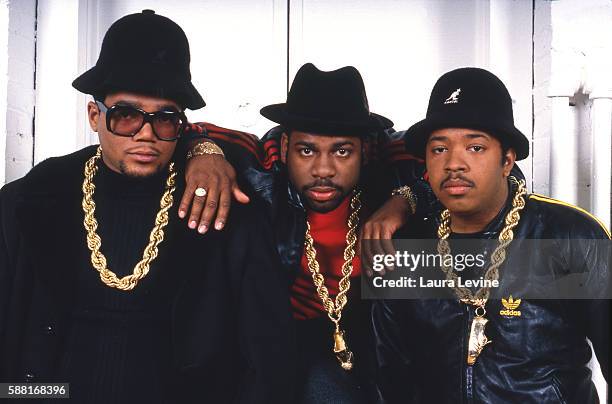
147 118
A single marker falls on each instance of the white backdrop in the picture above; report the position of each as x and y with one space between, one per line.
245 52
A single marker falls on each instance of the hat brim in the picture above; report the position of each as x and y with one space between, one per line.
144 81
418 134
278 113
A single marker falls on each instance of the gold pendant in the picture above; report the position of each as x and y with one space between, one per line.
345 357
478 339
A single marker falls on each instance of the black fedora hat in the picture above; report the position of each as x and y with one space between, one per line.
144 53
469 98
332 102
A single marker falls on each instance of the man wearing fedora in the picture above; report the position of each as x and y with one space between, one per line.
521 342
321 200
104 288
321 177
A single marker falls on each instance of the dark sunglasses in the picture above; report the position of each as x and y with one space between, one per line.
126 120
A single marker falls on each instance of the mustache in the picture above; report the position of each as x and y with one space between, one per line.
140 149
324 182
456 177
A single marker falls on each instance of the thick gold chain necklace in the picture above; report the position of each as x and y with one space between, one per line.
94 242
478 339
334 308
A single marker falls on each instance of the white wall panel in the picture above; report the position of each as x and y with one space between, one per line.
510 58
57 122
542 106
20 96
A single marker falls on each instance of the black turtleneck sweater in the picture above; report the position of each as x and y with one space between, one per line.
118 349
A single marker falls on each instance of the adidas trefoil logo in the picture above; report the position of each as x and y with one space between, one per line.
511 305
454 97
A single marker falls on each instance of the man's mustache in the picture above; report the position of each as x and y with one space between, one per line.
457 177
327 183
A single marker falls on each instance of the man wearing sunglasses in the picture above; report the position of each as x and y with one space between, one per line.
126 119
103 287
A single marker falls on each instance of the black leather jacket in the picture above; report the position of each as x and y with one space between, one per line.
539 357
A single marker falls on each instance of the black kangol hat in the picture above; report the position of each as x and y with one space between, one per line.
469 98
328 103
143 53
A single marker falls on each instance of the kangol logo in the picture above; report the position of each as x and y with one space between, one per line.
454 97
511 305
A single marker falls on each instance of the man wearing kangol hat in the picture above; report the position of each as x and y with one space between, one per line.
153 61
157 63
517 331
104 288
469 98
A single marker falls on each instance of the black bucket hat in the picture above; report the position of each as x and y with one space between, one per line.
469 98
332 102
144 53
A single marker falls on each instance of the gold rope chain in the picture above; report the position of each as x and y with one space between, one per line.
334 308
497 258
94 242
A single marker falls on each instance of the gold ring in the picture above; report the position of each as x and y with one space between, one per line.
200 191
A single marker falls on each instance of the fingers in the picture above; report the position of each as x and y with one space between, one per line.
379 241
217 204
214 174
196 208
365 237
386 242
210 208
239 195
377 249
225 202
371 246
186 199
387 229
